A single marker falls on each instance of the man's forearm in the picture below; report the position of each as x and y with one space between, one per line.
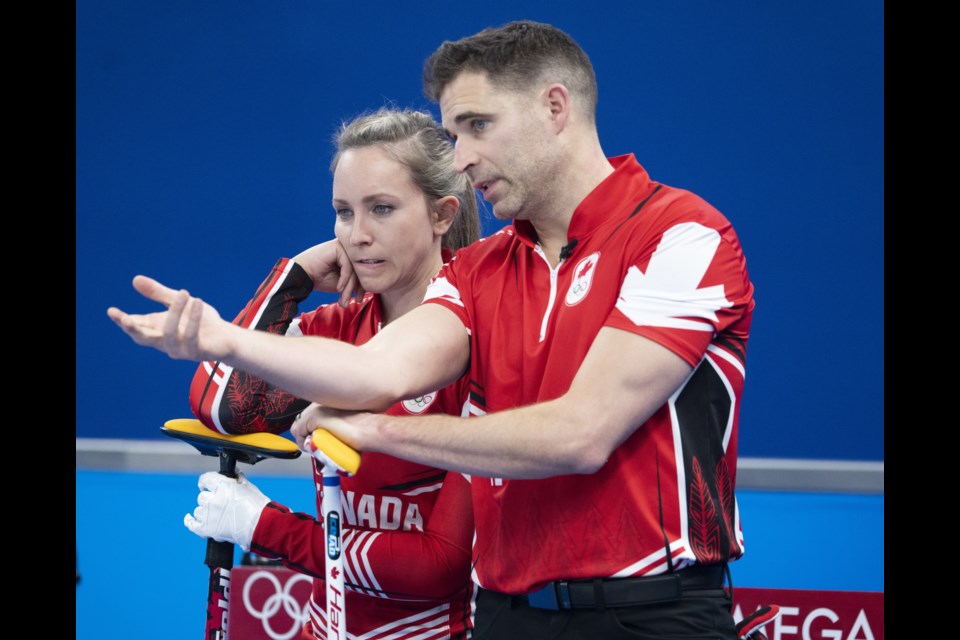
321 370
537 441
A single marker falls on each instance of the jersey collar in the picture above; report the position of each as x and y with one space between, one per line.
628 184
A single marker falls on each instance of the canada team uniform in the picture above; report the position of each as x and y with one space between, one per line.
642 257
407 526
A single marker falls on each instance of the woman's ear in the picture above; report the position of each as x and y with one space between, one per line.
444 211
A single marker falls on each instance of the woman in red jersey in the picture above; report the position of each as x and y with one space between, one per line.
401 212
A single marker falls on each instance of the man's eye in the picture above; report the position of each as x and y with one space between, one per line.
480 125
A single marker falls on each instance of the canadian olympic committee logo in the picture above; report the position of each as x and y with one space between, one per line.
582 279
282 596
420 403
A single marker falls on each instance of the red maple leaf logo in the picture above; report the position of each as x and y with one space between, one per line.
585 270
334 573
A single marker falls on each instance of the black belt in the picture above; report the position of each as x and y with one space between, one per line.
625 592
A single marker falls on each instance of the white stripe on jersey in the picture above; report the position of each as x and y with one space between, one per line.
738 530
729 358
218 377
356 563
727 428
470 409
293 329
353 542
429 489
433 623
216 374
441 288
273 292
656 561
678 457
668 294
218 396
366 561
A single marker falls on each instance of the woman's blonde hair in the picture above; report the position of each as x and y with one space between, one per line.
416 140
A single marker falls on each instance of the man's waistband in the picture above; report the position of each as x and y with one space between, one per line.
625 592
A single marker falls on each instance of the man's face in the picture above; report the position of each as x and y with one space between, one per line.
503 141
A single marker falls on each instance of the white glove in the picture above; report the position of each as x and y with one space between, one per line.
228 509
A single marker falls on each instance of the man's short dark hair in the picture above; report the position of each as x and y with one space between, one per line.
515 56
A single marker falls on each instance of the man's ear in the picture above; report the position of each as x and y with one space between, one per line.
557 100
444 211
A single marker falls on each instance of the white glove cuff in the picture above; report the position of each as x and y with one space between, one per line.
246 528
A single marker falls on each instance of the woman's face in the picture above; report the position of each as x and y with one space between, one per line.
384 222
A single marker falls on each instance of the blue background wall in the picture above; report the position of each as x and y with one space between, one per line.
203 139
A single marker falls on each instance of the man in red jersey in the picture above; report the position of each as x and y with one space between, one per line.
604 333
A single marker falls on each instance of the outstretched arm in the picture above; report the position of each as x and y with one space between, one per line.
623 380
422 351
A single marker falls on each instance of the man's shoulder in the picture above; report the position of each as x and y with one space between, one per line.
500 242
675 205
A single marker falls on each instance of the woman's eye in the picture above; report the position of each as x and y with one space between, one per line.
382 209
344 213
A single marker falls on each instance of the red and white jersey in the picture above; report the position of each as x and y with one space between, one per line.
649 259
407 527
406 540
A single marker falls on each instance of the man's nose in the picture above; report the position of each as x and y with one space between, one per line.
464 155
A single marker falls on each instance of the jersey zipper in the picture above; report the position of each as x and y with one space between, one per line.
553 291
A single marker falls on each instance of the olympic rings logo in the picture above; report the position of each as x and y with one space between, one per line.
420 403
281 597
579 287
